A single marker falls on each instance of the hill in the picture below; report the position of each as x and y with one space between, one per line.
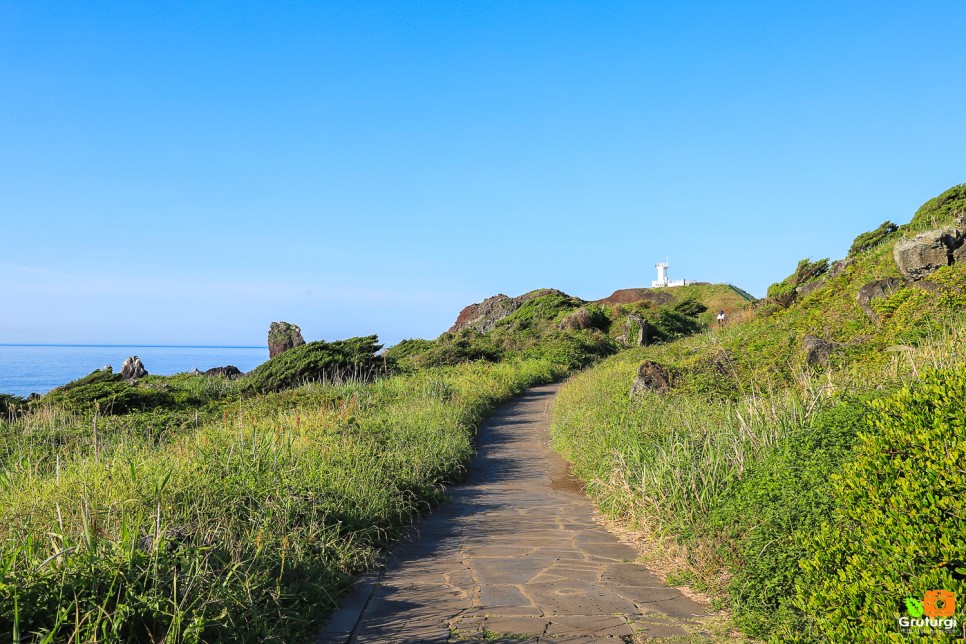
805 464
548 322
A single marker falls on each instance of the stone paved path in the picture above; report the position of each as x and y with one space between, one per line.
515 556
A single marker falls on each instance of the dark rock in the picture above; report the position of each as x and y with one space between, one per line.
283 336
817 350
927 252
132 369
872 290
650 377
959 255
196 372
484 316
811 287
231 372
839 267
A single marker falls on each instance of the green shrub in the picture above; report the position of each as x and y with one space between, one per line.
940 211
106 392
785 495
872 238
11 405
807 270
318 361
782 293
540 310
899 528
691 307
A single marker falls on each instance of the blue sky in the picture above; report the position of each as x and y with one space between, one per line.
189 172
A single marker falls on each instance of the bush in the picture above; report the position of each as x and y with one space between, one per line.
873 238
899 528
940 211
785 495
104 391
317 361
782 293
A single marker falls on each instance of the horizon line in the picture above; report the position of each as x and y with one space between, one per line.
133 345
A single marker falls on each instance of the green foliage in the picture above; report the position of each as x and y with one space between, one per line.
539 310
465 345
768 509
318 361
807 270
940 211
782 293
11 405
105 391
899 528
244 527
872 238
690 307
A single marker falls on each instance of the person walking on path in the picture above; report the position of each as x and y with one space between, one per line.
721 318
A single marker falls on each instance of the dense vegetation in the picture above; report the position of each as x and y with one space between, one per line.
201 508
246 527
812 500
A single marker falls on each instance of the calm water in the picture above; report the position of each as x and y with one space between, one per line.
25 369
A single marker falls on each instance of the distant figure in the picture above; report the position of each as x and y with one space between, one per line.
721 317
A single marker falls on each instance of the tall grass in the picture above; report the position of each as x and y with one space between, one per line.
664 464
243 525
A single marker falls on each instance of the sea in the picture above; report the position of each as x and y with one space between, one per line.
27 369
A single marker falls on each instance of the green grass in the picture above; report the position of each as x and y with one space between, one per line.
753 453
244 527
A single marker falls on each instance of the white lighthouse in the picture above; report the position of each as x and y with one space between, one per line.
662 280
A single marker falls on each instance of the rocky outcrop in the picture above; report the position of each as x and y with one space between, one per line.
811 287
132 369
817 350
872 290
230 371
927 252
484 315
283 336
640 339
839 267
650 377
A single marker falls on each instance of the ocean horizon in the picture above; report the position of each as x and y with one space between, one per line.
38 368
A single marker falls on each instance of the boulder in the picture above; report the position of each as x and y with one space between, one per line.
872 290
839 267
283 336
811 287
132 369
484 315
231 372
927 252
817 350
650 377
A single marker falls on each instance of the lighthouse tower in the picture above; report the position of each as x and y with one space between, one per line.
662 279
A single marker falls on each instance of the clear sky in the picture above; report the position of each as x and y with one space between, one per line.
189 172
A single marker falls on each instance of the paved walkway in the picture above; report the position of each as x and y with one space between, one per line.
515 555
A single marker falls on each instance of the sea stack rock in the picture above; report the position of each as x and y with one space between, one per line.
133 369
283 336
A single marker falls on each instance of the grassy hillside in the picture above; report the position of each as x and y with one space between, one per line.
813 498
566 329
242 520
